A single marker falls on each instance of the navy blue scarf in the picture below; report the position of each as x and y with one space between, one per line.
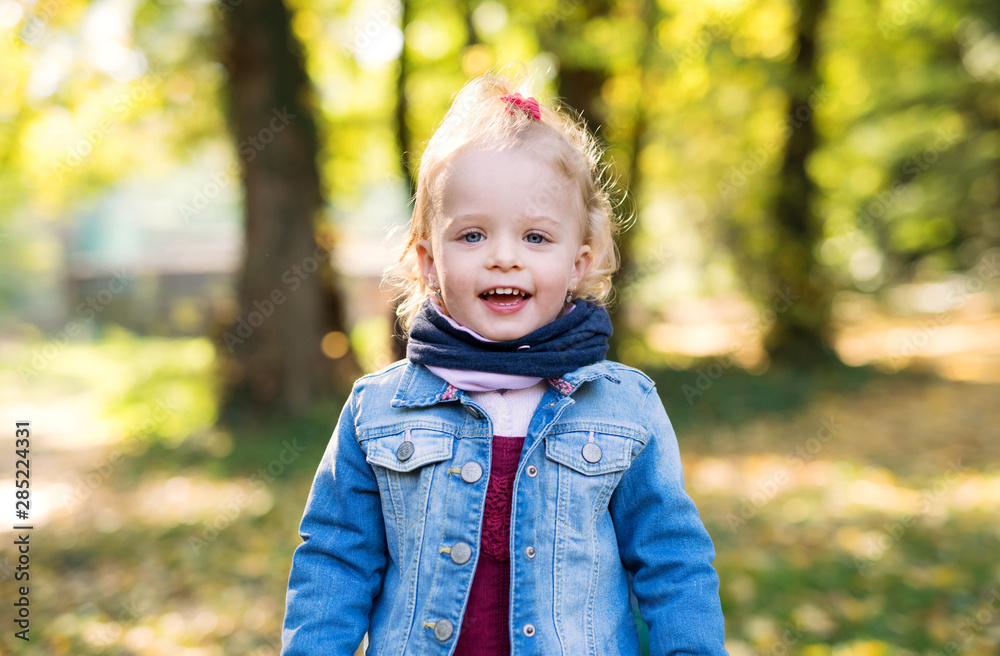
557 348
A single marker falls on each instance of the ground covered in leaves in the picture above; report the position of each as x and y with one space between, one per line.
853 513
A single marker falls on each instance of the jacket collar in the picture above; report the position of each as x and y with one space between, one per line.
418 387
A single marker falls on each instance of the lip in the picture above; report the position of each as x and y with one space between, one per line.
506 308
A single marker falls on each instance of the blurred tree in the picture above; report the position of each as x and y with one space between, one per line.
398 338
637 134
930 203
272 355
800 298
403 132
892 179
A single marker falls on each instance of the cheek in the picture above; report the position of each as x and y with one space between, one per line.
560 269
453 275
556 281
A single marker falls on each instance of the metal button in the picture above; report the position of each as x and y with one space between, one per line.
404 451
460 553
591 452
443 629
529 630
529 552
532 471
475 413
471 472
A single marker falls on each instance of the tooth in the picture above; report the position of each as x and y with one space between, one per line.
507 290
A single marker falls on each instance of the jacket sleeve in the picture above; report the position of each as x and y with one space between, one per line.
337 570
662 541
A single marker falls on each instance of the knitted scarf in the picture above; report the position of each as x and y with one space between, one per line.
565 344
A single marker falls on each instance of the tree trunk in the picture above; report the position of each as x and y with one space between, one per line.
398 336
627 274
579 87
403 136
271 355
798 297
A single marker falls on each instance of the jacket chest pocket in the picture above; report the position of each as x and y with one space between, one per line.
587 467
404 463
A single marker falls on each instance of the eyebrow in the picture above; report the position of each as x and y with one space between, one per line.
542 218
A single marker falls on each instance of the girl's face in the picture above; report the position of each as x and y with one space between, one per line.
508 243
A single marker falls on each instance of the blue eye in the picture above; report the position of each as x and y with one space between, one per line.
472 237
535 238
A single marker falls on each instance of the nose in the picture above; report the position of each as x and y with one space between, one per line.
504 254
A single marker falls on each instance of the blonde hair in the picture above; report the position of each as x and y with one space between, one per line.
480 117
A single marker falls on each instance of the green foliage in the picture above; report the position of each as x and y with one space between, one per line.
906 113
903 152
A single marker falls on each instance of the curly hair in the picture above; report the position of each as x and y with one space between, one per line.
479 117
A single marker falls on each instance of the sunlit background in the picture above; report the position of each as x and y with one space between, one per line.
811 274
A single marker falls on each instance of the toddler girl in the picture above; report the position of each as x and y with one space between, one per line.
492 493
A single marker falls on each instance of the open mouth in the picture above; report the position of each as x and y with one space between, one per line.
505 296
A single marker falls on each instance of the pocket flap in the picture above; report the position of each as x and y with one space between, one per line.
567 449
428 446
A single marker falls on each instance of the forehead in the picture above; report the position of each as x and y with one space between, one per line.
513 182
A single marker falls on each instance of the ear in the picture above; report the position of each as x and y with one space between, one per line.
584 258
428 272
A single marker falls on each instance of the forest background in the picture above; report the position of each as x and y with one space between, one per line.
199 197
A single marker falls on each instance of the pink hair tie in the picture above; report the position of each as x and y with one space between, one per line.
528 105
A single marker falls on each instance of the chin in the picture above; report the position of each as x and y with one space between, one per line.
496 336
512 334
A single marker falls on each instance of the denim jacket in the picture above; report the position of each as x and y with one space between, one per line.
391 531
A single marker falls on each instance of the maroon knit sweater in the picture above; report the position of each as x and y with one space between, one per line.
485 625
